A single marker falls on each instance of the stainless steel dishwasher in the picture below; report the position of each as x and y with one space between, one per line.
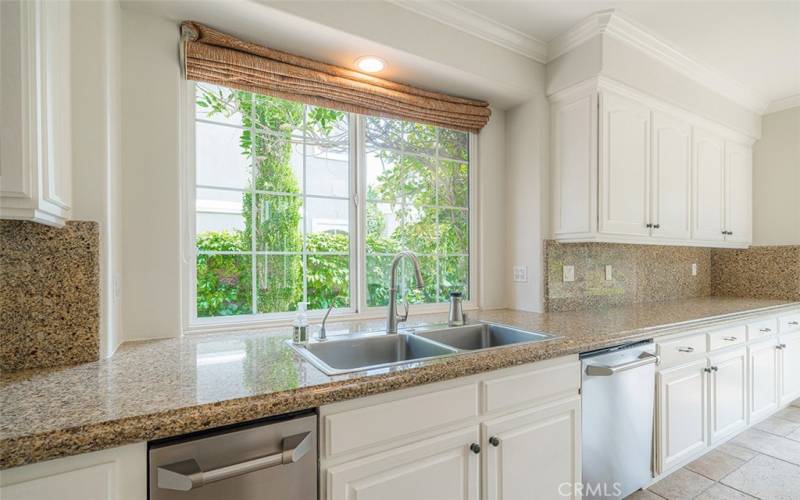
617 409
274 459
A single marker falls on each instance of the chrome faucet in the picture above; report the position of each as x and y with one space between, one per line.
393 318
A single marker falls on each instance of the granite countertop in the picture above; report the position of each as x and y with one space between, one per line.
160 388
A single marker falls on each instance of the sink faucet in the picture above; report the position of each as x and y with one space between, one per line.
393 318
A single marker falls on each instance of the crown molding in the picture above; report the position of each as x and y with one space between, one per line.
783 104
469 21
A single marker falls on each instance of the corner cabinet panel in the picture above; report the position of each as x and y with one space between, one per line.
624 153
738 190
708 180
536 455
441 467
682 413
574 157
671 177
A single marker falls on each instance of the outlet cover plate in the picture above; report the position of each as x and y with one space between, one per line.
569 273
520 274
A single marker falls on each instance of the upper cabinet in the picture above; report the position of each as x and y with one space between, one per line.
35 158
627 168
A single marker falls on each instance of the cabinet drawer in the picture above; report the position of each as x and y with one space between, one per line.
535 385
682 350
789 323
720 339
762 329
354 429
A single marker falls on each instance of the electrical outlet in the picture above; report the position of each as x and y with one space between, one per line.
520 274
694 268
569 273
609 272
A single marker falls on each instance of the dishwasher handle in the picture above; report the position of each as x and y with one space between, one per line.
187 474
604 371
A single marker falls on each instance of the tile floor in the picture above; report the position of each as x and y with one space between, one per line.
761 462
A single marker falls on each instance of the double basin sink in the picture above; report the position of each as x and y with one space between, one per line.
377 350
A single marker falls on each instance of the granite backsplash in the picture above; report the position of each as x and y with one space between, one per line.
49 294
652 273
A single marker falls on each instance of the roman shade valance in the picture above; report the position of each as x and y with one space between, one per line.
214 57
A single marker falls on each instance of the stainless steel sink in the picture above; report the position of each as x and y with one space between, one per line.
370 352
481 336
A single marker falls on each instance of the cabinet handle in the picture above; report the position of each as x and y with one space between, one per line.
475 448
729 339
707 370
794 323
685 349
494 441
765 330
781 346
656 226
714 368
648 225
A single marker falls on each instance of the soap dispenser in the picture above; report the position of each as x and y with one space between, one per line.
300 325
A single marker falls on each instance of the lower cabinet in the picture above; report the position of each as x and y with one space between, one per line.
682 408
727 394
763 367
533 454
445 467
789 347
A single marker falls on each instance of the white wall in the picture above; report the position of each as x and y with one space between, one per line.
96 165
527 201
150 180
776 180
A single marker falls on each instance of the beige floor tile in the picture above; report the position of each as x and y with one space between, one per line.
791 413
796 403
722 492
643 495
770 444
737 451
715 465
767 478
682 484
777 425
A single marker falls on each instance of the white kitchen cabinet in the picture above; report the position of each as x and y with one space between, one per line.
624 166
532 454
35 160
763 369
671 177
727 394
629 168
738 193
682 408
444 467
112 474
708 186
789 362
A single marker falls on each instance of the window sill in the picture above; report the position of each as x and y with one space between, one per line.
232 324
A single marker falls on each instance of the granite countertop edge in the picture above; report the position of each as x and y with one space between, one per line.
68 441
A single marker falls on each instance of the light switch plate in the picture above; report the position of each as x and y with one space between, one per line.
520 274
569 273
694 269
609 272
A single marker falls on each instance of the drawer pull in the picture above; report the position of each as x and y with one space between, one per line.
781 346
707 370
494 441
729 339
686 349
765 330
714 368
475 448
794 323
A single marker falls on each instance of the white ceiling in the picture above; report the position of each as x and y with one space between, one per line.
754 43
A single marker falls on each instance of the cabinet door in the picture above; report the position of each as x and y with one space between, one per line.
738 193
728 394
789 368
624 166
707 186
670 177
682 413
763 368
536 455
439 468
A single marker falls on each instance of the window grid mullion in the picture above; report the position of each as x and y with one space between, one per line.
305 206
437 231
253 210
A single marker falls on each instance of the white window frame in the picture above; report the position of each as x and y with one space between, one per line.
358 309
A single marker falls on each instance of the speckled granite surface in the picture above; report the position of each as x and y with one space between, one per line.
49 294
641 273
169 387
771 272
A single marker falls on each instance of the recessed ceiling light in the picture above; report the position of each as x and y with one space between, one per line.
370 64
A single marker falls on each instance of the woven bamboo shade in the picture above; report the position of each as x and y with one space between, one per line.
214 57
